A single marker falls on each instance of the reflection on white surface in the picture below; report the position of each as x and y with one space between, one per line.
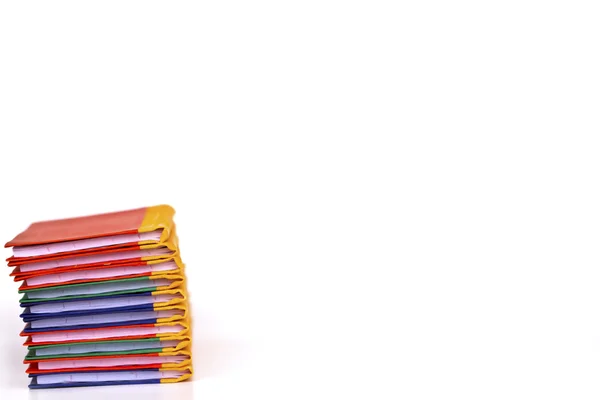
179 391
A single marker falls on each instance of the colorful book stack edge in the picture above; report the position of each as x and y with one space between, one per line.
104 300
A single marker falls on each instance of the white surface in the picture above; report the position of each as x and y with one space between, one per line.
74 245
375 199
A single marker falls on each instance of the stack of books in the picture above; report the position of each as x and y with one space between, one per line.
104 300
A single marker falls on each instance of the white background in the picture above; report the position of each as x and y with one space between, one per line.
375 199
